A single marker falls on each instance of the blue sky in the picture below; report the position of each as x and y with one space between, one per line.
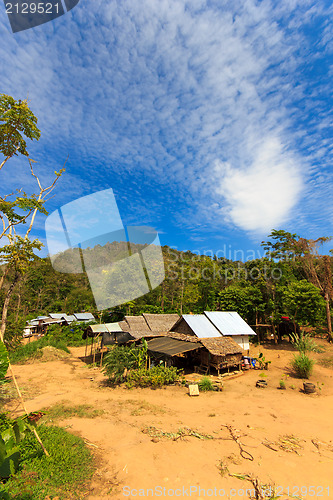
210 120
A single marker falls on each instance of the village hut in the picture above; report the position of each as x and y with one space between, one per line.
189 351
220 353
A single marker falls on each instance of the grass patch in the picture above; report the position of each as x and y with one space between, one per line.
33 350
302 365
62 412
183 432
64 474
205 384
326 362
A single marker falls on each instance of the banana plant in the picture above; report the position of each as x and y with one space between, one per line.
9 446
4 363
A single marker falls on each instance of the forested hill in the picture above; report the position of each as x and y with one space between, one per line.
261 290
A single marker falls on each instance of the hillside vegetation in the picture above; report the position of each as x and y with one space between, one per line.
260 290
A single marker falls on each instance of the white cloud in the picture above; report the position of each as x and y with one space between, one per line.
260 196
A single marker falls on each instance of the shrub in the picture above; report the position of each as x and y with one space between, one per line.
302 365
157 376
70 335
303 342
282 384
120 359
205 384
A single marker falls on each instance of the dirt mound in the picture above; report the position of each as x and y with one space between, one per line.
52 354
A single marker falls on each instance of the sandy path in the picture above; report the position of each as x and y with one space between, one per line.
130 460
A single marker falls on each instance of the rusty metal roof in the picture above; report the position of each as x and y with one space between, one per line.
171 347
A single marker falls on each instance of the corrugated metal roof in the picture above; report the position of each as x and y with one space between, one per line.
57 315
201 326
84 316
69 318
229 323
171 347
105 327
51 321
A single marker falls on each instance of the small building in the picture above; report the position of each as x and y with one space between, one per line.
110 333
202 354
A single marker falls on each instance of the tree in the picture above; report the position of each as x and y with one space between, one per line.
18 211
317 269
303 302
16 121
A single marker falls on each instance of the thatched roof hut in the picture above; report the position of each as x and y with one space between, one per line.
148 325
135 323
161 323
221 346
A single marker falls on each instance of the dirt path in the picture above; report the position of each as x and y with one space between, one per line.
131 460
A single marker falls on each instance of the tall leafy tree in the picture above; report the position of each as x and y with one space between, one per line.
18 210
307 261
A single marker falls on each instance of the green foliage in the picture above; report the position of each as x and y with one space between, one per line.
263 362
303 302
5 422
304 342
4 363
70 335
63 474
10 439
156 376
120 359
282 382
20 253
16 121
283 245
302 365
206 384
33 350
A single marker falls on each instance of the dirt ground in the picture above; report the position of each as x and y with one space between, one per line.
288 434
